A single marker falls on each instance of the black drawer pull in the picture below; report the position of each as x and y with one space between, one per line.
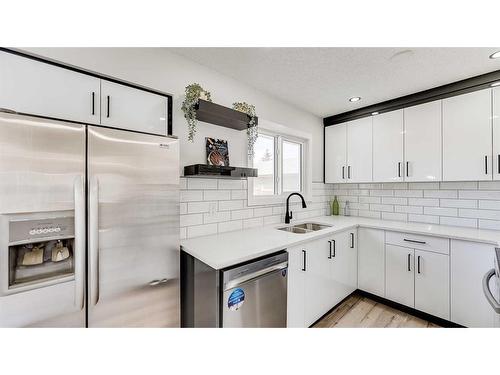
415 241
418 264
409 259
330 254
334 248
304 259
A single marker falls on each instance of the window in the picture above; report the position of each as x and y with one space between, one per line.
279 161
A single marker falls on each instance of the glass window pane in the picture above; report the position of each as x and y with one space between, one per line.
263 160
292 166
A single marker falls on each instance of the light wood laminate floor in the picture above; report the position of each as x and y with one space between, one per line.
358 311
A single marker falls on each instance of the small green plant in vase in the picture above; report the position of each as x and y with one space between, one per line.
252 131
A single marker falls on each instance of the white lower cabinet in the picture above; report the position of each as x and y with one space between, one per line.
399 278
469 263
432 283
320 274
371 261
296 287
418 279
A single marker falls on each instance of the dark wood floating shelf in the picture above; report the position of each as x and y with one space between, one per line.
223 116
203 170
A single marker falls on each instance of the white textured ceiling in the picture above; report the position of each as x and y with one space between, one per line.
320 80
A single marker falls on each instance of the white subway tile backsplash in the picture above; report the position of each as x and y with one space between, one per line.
479 194
182 183
370 200
229 226
458 222
394 200
423 185
231 184
440 194
430 202
191 195
394 216
382 193
231 205
262 211
239 194
216 217
197 207
201 230
489 185
216 195
370 214
489 205
183 208
409 193
255 222
464 185
489 224
440 211
201 183
382 207
409 209
458 203
241 214
194 219
480 214
423 219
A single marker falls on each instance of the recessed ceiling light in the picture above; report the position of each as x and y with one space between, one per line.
494 84
355 99
374 113
495 55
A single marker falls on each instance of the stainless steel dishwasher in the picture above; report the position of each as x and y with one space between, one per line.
255 294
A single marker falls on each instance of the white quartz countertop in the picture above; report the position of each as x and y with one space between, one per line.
227 249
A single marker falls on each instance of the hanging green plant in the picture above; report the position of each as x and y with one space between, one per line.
252 131
194 92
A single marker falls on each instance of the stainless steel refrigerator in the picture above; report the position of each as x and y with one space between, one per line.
89 226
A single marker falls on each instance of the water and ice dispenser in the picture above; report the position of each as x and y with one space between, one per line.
40 251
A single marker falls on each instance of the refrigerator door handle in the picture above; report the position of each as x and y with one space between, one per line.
79 242
94 238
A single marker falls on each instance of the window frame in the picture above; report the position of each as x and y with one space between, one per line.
281 133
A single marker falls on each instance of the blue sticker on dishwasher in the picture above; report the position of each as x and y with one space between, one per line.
236 299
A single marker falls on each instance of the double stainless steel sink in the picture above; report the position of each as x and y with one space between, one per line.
304 228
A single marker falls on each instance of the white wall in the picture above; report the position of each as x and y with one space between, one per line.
165 71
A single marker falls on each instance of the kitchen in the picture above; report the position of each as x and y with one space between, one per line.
229 187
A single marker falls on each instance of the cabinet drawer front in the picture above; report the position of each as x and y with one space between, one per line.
416 241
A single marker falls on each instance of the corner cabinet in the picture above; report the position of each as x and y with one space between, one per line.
371 261
348 152
32 87
321 273
467 137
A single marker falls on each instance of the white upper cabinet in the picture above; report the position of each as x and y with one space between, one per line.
422 142
388 147
335 153
496 133
359 150
128 108
467 140
37 88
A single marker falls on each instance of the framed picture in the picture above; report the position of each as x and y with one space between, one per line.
217 152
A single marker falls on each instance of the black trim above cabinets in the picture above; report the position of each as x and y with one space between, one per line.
441 92
97 75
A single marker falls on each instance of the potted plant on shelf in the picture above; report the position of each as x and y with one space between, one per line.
194 92
252 132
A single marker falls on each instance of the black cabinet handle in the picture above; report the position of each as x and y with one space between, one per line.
486 164
352 240
407 169
304 260
498 163
93 103
399 169
349 171
418 264
409 259
334 248
415 241
343 174
107 114
330 254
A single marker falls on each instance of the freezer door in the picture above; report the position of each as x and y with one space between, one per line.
42 166
133 206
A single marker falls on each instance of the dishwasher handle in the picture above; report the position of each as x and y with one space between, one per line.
254 275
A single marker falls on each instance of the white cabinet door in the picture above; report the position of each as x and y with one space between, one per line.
37 88
467 141
317 281
432 283
335 153
371 261
496 133
359 150
470 261
124 107
388 147
296 288
399 283
422 124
